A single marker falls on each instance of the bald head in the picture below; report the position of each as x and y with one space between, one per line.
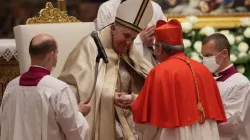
42 44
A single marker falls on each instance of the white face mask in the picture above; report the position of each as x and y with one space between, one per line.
210 63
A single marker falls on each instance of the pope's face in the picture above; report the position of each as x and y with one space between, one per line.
122 38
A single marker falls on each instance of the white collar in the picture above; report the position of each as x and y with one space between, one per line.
227 67
217 73
38 66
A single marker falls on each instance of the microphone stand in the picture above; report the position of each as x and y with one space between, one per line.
97 60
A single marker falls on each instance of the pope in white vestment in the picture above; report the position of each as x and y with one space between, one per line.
106 15
37 106
125 72
228 79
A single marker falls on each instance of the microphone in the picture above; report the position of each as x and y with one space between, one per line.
101 51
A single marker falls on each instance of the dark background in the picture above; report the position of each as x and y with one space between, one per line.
16 12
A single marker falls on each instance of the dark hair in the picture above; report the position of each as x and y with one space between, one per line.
171 49
43 48
220 41
123 1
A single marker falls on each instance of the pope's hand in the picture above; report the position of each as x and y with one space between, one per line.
147 36
121 100
84 108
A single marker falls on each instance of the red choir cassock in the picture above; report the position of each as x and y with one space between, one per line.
179 91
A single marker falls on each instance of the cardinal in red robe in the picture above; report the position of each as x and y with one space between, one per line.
180 99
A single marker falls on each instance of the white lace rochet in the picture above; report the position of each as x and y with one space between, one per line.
8 49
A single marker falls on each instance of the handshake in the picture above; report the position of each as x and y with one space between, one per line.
121 99
124 100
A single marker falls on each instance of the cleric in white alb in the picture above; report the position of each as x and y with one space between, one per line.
38 106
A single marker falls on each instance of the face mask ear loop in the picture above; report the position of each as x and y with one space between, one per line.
221 60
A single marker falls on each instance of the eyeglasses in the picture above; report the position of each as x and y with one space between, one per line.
156 45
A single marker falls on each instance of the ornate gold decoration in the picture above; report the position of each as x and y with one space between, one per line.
9 70
219 21
51 15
